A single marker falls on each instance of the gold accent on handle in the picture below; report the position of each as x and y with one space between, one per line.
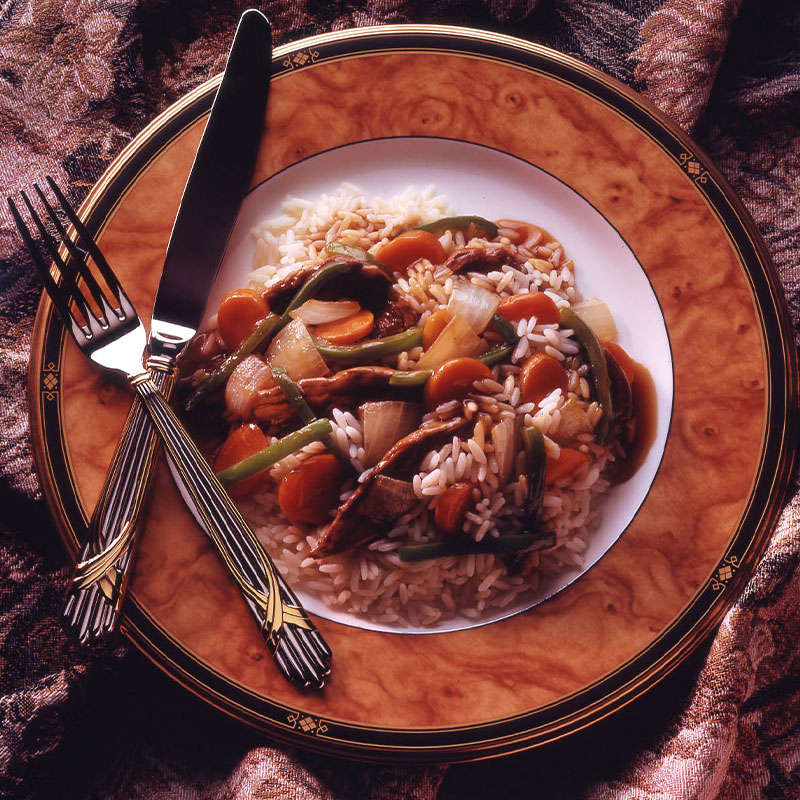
81 579
92 569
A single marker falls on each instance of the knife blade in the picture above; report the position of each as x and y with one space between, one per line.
211 200
216 187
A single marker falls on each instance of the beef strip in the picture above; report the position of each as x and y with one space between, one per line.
480 259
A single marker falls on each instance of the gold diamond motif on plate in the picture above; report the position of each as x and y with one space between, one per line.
725 573
307 724
50 381
301 58
693 168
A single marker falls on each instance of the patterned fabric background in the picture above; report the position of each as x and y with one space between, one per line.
78 78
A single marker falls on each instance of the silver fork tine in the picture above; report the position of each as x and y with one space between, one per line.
68 275
79 265
76 267
78 256
55 290
88 241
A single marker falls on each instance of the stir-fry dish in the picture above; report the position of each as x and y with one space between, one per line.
416 410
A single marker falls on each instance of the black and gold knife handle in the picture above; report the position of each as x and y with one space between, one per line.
297 647
94 599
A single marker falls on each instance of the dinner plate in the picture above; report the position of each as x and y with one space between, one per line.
506 128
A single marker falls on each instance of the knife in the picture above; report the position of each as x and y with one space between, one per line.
210 204
214 191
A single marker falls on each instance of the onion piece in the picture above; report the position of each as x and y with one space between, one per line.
523 234
318 312
504 440
475 304
457 339
384 424
574 421
241 390
597 315
294 349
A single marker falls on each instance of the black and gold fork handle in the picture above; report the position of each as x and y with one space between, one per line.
94 599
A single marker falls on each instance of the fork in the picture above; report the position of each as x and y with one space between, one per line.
105 326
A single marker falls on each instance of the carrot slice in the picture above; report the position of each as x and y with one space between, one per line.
569 462
433 327
453 380
242 442
402 251
452 508
624 361
239 313
527 305
347 330
308 492
540 375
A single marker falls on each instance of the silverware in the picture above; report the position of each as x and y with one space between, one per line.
211 200
107 329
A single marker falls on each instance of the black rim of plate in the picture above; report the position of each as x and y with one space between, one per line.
701 615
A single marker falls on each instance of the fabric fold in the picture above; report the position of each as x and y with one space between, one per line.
683 43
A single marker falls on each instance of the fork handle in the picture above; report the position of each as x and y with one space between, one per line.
92 606
297 647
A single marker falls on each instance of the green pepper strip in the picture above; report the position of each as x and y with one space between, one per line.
496 355
270 455
536 468
505 328
296 399
512 543
598 368
359 254
446 223
371 349
414 377
264 330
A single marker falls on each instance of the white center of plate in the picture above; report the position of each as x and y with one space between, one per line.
480 180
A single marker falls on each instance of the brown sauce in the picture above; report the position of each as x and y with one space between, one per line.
644 409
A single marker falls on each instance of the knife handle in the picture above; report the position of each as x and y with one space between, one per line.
298 648
94 599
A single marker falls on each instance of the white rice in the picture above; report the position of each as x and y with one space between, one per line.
372 580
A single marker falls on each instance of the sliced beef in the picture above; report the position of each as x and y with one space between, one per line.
480 259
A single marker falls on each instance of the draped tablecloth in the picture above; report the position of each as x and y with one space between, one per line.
78 79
